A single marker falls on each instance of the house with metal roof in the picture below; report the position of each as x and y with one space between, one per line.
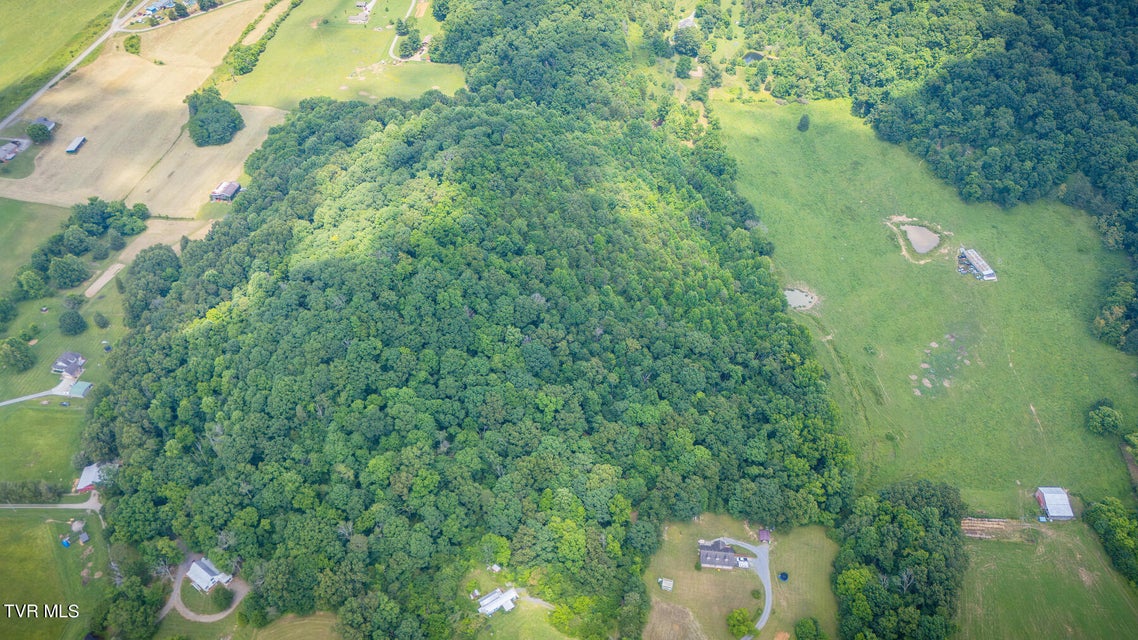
1055 503
225 192
497 599
205 576
91 474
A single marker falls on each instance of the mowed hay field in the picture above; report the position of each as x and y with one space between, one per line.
29 544
33 32
23 225
699 602
317 53
1021 366
527 620
1055 583
131 111
37 441
807 556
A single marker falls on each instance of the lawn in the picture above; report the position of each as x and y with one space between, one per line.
1012 367
197 601
37 441
1057 583
23 225
314 627
707 594
29 544
527 620
807 556
320 54
40 37
22 165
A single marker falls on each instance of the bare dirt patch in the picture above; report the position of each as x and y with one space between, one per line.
800 298
672 622
421 8
1087 577
129 108
782 635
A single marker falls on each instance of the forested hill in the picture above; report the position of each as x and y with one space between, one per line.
1008 100
522 325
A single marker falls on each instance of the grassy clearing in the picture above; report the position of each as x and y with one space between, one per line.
197 601
23 226
527 620
1056 584
807 555
37 441
22 165
40 37
131 111
315 627
320 54
1021 364
709 594
29 544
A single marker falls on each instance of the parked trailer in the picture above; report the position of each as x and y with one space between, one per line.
76 144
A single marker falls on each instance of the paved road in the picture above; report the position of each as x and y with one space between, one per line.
762 567
238 586
92 504
116 25
61 389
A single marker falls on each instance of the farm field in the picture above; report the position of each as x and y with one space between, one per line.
1014 362
37 441
314 627
29 544
40 37
130 108
317 53
698 605
23 225
1055 582
807 556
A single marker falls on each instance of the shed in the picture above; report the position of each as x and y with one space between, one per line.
1055 503
205 576
225 192
717 555
80 389
983 271
764 535
84 538
497 599
76 144
666 584
50 124
91 475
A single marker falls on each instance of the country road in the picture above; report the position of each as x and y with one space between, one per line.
92 504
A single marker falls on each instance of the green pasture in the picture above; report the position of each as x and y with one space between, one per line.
23 225
37 441
709 594
40 37
317 53
1020 365
38 569
807 556
527 620
1055 583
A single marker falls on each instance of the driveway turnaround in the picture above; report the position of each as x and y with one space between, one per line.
762 567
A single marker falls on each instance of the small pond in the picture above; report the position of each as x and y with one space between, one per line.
923 240
752 57
799 299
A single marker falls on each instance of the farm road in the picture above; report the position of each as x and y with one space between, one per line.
762 567
395 40
92 504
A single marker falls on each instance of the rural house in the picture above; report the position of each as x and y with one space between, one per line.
9 151
717 555
91 474
69 364
225 192
50 124
497 599
1055 503
205 576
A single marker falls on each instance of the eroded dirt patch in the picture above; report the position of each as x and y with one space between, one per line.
672 622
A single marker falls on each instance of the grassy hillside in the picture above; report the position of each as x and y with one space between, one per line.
29 544
40 37
1055 583
1017 355
23 225
317 53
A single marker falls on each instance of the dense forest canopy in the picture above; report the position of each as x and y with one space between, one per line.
520 325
